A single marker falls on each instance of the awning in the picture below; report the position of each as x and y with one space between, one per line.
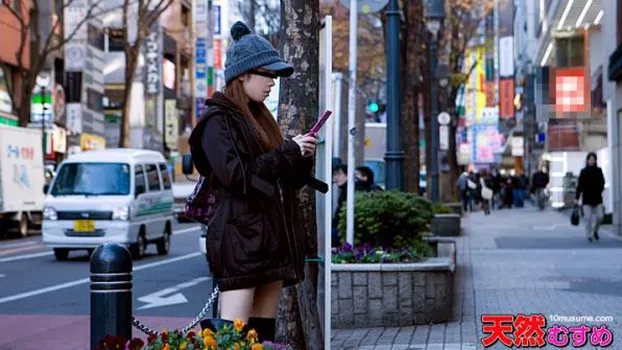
568 15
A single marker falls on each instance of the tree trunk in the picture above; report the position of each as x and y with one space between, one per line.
411 50
298 321
131 61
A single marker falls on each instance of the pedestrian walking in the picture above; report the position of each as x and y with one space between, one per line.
520 183
463 186
539 182
486 192
590 188
256 241
497 181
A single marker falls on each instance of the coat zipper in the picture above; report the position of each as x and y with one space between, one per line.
293 250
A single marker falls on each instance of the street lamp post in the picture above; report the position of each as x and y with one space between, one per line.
434 14
394 156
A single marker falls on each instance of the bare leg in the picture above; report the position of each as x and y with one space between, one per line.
236 304
266 302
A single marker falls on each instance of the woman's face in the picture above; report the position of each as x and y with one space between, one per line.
591 161
257 84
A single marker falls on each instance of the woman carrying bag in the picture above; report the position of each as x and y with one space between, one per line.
486 192
256 239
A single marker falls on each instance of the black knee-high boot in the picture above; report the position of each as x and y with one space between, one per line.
265 327
215 324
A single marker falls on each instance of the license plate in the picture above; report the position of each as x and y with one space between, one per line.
84 226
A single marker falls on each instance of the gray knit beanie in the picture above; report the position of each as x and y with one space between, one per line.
250 51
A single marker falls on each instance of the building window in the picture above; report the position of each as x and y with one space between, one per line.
95 37
73 87
115 40
619 22
569 51
94 100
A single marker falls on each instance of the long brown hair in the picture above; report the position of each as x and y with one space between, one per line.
257 113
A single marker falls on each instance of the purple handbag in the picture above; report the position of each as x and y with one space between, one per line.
201 204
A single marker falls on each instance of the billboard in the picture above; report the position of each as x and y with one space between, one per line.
506 98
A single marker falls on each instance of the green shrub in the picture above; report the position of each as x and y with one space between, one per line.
388 219
440 208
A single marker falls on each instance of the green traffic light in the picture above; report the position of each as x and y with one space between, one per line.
373 107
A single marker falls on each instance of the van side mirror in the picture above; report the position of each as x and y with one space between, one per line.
46 188
186 164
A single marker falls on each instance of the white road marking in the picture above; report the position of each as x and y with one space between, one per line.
18 244
2 275
87 280
38 255
158 299
25 256
186 230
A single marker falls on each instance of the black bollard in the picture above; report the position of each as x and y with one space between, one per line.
111 293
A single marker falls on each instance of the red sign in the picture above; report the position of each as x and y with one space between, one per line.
489 87
217 54
506 98
572 90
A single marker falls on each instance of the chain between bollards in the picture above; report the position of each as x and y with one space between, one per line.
143 328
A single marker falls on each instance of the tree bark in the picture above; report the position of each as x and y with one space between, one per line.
131 61
298 321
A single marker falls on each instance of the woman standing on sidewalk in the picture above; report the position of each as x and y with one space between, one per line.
255 243
591 185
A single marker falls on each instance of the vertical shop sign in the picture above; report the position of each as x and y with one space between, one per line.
153 64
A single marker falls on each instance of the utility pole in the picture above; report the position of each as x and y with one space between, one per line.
394 157
434 13
351 121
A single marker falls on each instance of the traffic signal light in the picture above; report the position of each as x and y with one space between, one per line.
373 107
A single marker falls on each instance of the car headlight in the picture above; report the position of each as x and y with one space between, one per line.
49 213
121 213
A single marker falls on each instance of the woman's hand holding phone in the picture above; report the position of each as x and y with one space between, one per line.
307 144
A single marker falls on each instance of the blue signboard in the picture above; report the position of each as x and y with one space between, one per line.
217 29
200 107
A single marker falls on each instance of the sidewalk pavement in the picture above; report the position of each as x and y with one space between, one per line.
515 261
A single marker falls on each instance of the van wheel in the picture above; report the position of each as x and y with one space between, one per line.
61 254
138 249
22 227
164 243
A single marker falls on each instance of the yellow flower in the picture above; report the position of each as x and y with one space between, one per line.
257 346
209 341
207 332
252 335
183 346
236 346
238 325
166 347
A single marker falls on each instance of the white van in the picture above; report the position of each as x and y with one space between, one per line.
119 196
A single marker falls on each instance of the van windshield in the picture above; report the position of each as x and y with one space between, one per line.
92 179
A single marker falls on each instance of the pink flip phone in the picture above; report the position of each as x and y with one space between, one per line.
320 123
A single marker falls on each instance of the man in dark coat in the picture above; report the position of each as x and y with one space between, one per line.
590 187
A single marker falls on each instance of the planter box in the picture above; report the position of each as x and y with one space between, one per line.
392 295
456 207
447 225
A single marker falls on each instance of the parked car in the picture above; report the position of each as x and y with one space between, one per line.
181 191
118 196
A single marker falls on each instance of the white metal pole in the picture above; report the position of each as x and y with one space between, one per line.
351 120
338 79
328 172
